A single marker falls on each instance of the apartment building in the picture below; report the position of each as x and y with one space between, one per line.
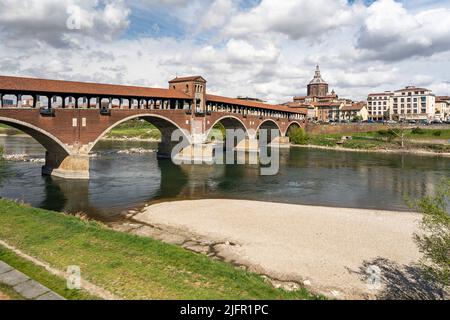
408 104
379 106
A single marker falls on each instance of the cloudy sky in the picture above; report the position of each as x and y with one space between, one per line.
261 48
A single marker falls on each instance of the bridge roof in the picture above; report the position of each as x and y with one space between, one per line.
249 103
42 86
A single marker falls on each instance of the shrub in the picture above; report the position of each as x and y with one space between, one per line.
437 133
434 238
298 136
418 131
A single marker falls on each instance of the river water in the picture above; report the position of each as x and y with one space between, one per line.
121 181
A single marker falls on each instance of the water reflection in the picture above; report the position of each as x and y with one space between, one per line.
121 181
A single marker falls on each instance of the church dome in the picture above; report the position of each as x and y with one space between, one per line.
317 77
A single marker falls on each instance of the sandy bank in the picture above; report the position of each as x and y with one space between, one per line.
325 249
420 152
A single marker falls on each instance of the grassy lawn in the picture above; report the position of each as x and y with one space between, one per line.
9 293
135 129
427 139
41 275
129 266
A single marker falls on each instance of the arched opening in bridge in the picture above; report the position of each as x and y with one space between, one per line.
55 151
156 130
228 128
296 134
270 129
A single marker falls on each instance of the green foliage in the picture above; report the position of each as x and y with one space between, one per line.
418 131
135 128
389 135
298 136
218 132
434 238
437 133
357 118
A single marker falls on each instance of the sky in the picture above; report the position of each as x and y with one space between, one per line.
259 48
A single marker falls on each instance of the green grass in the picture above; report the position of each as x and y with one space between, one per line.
41 275
135 129
130 266
10 293
418 139
4 129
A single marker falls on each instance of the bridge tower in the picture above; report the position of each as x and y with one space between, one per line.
195 88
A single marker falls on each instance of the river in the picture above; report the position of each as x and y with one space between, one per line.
121 181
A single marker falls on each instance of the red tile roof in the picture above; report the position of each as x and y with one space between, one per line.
326 104
42 86
412 89
248 103
381 94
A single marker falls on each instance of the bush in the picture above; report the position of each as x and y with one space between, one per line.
298 136
437 133
434 238
418 131
389 134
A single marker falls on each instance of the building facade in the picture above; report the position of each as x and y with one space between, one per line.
443 108
408 104
379 106
356 111
412 103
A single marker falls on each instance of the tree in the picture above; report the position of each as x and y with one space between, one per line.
434 238
298 136
400 131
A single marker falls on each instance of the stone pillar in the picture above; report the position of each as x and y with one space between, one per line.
66 166
281 142
248 145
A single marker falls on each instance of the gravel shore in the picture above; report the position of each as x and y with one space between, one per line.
339 252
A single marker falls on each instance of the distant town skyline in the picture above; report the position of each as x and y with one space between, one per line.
258 48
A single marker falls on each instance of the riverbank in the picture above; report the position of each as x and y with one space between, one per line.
386 151
128 266
325 249
419 141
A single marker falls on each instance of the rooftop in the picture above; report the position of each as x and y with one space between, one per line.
185 79
248 103
43 86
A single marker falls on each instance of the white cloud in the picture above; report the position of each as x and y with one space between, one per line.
294 18
60 22
392 33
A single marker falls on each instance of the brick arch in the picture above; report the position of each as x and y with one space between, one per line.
267 121
290 125
47 140
227 117
159 122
